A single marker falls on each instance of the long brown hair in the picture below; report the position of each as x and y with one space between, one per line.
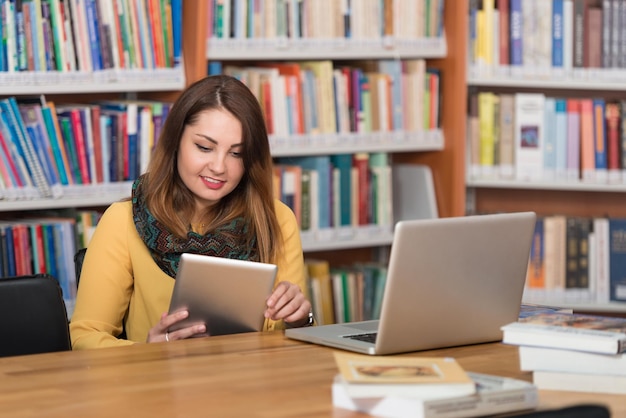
172 203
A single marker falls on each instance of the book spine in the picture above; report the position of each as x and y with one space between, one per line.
516 25
557 33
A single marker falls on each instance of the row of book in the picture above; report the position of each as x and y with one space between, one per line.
46 149
531 136
577 260
335 191
548 33
345 294
43 245
571 352
405 19
90 35
333 97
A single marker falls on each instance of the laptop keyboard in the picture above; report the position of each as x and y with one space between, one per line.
369 337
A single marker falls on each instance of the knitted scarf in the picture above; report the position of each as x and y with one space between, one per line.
226 241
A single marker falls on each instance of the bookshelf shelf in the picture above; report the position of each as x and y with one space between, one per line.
565 186
578 79
121 81
346 238
346 143
73 197
334 49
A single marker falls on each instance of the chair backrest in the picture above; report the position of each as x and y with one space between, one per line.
34 318
78 263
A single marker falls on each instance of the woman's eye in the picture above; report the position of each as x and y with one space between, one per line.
203 149
236 154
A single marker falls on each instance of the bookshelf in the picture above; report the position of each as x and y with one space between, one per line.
443 150
489 191
433 148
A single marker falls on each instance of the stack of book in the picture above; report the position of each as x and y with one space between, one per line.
573 352
424 387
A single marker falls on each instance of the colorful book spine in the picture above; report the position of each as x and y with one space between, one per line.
557 33
516 38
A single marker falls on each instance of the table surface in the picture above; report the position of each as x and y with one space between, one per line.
244 375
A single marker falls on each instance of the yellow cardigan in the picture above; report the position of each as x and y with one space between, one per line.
121 284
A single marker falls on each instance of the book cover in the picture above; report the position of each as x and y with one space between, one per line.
581 332
568 34
613 116
599 140
560 138
571 361
495 395
412 377
557 33
617 259
503 32
578 31
543 34
579 382
486 118
343 163
516 37
573 140
592 41
554 231
587 144
529 135
549 148
536 274
507 136
473 138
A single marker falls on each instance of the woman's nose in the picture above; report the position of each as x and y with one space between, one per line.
217 162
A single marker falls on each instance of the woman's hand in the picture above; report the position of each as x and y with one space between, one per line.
287 302
159 332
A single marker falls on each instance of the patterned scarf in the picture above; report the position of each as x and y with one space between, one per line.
226 241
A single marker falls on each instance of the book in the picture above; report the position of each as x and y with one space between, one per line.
529 136
580 382
412 377
494 395
617 259
571 361
582 332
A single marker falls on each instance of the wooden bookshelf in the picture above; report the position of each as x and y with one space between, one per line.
572 198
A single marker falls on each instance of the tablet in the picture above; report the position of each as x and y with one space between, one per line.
227 295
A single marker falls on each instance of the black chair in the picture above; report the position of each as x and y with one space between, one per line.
78 262
34 318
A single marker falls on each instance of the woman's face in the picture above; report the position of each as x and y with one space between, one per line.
209 156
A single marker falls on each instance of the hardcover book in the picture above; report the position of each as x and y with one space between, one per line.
411 377
580 382
529 135
571 361
588 333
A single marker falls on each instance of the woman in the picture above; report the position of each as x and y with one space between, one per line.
207 190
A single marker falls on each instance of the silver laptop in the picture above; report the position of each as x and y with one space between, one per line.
225 294
450 282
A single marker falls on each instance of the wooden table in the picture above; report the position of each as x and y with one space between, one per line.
246 375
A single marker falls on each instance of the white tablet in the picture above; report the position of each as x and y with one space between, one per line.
227 295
